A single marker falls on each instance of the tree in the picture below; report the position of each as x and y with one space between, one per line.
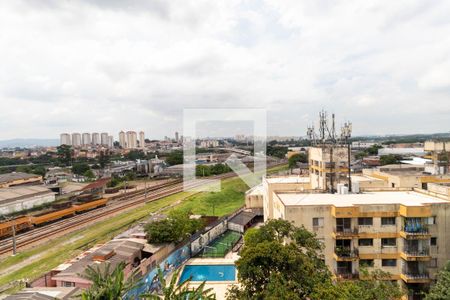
373 285
80 168
175 158
135 154
280 261
64 153
441 289
299 157
177 226
104 158
277 151
389 159
89 174
373 150
107 284
174 291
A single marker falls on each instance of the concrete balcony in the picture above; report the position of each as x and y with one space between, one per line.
345 233
421 232
414 254
345 254
415 277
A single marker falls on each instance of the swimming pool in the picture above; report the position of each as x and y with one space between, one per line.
209 273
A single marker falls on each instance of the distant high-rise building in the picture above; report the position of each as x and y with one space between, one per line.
95 139
141 139
65 139
86 139
76 139
104 138
131 140
110 141
122 139
176 137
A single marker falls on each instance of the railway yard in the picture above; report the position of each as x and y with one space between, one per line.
73 221
47 245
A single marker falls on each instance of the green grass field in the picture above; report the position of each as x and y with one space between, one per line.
30 264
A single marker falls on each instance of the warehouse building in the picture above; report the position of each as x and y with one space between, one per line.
16 199
19 178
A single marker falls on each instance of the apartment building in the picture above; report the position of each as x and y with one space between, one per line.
401 229
405 233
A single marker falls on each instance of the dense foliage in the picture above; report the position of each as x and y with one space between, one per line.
281 261
277 151
205 170
294 159
175 158
390 159
270 269
80 168
441 289
64 153
107 283
177 226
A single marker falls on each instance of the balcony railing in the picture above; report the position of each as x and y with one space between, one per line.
415 229
345 252
411 251
344 273
416 275
344 231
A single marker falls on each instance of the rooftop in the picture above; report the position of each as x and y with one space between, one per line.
361 178
287 179
346 200
44 293
9 177
13 193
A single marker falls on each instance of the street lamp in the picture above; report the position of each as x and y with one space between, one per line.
346 133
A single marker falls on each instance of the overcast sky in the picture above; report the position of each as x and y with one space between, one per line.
108 65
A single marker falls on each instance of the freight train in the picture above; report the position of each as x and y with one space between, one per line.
58 211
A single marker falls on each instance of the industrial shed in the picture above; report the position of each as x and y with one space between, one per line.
16 199
242 221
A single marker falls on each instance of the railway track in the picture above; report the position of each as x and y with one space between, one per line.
119 204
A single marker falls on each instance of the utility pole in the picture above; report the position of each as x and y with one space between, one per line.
13 227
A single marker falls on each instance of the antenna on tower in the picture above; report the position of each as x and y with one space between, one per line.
328 140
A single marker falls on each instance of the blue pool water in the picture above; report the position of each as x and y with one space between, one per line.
209 273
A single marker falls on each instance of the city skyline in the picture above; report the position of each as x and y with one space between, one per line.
383 66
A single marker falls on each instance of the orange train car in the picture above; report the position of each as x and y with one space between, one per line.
52 216
21 223
80 207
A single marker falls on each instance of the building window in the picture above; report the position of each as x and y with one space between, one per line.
389 262
431 220
317 222
388 242
433 241
388 221
365 221
366 263
365 242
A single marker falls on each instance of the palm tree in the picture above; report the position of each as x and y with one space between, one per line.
172 291
107 284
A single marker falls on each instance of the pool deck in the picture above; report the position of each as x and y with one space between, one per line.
220 287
